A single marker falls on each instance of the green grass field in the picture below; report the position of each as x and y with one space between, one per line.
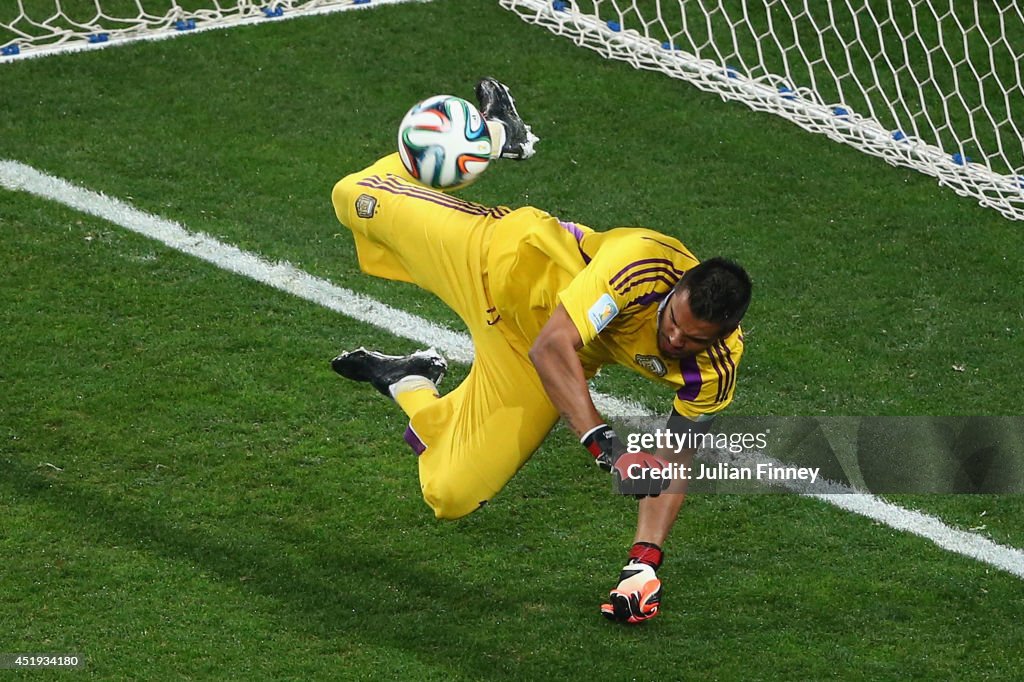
189 492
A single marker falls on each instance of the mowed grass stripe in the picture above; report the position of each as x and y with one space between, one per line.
285 277
282 276
204 24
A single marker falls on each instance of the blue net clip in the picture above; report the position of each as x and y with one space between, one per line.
10 50
99 37
272 12
185 24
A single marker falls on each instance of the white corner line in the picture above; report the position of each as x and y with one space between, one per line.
455 345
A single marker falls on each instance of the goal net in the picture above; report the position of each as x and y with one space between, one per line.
31 28
935 85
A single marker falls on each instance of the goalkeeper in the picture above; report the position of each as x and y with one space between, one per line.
547 303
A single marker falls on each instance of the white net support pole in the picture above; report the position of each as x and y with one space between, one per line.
35 28
935 85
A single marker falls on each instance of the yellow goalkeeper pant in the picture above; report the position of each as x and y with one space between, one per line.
472 440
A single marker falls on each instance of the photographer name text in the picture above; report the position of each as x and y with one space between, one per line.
724 472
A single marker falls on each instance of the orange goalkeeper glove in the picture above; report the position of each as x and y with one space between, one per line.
637 597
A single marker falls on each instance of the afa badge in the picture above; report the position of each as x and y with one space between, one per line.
366 206
602 312
652 364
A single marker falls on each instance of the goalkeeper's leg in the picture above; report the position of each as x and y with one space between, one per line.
472 440
407 232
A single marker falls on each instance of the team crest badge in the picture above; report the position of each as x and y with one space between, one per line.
366 206
652 364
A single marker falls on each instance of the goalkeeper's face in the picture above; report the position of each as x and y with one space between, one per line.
680 333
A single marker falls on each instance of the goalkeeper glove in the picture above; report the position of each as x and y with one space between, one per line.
631 470
637 597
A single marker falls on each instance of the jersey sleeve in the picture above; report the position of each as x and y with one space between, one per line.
709 379
612 284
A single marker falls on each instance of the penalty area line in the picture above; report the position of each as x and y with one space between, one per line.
285 277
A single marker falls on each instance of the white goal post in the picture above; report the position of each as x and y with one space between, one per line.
32 28
935 85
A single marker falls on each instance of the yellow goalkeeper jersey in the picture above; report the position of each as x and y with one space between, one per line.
612 284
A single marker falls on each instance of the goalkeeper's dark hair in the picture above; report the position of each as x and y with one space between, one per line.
719 291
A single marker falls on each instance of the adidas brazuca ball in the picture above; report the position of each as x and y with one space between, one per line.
444 143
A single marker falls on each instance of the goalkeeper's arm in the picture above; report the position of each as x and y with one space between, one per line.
637 597
553 354
657 515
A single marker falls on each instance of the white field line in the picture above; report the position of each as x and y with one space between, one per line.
19 177
80 44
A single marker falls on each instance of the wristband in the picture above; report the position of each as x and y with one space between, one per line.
603 445
646 553
598 439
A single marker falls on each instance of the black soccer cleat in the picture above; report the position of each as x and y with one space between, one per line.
381 370
496 104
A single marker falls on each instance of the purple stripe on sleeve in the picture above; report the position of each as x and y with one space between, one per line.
692 379
395 185
718 370
414 441
648 298
667 280
573 229
669 275
669 246
732 369
396 182
724 376
645 261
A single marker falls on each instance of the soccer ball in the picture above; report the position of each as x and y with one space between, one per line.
444 143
